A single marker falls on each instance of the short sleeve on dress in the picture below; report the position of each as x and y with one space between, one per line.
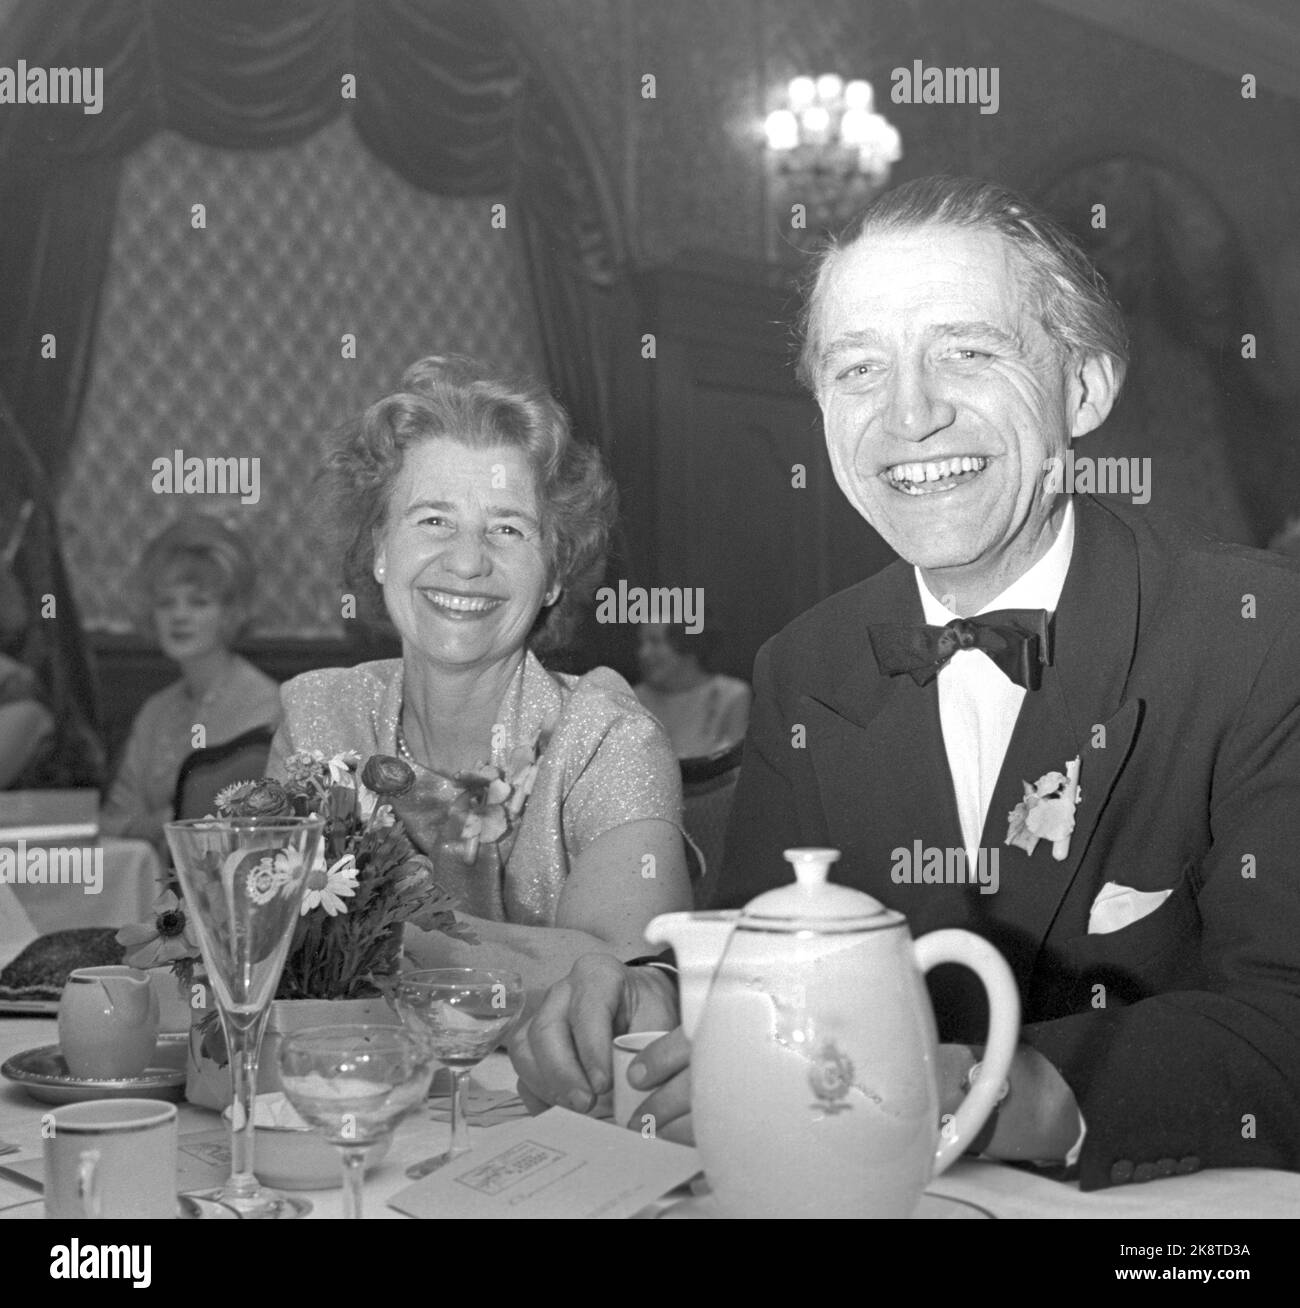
632 774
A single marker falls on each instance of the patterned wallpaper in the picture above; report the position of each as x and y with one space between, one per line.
226 341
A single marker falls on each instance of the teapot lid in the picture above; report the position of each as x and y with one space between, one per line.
813 900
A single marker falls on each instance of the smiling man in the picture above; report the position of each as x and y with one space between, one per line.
1105 701
944 396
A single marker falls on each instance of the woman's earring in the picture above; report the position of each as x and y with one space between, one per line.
380 574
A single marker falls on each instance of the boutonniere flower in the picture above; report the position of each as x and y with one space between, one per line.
1046 812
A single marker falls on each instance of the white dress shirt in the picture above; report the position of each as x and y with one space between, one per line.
979 703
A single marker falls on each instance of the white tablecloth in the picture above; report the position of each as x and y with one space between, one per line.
1003 1191
416 1138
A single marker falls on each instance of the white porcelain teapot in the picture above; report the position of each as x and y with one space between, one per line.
813 1083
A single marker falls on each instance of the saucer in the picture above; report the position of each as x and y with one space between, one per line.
932 1207
188 1206
44 1075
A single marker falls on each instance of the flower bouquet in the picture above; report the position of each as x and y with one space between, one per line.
368 881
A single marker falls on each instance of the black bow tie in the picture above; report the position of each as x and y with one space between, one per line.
1019 641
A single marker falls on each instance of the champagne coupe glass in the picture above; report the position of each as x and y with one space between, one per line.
355 1083
243 881
463 1014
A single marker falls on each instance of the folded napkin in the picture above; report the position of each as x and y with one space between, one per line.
272 1110
1118 906
483 1107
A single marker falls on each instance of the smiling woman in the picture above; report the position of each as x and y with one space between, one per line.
478 524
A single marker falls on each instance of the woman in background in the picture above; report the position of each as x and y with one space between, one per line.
479 524
26 723
702 711
42 634
197 580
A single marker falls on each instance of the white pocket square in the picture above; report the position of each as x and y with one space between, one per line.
1120 906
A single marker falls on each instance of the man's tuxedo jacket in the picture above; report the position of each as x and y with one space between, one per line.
1176 681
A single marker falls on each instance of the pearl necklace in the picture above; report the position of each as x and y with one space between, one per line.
403 751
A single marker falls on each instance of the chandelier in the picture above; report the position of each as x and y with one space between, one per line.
829 151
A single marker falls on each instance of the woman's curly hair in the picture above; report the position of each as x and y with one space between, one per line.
455 397
199 550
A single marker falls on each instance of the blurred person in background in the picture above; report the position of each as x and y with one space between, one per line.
196 581
48 680
702 711
26 723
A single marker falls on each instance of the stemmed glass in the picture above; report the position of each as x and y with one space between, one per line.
243 881
463 1014
355 1083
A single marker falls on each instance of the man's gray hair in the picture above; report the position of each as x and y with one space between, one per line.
1076 308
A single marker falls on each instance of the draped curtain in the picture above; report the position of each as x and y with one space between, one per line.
445 95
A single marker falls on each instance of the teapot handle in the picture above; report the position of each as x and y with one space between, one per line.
1004 1032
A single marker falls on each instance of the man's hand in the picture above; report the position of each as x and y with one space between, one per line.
563 1053
666 1065
1039 1121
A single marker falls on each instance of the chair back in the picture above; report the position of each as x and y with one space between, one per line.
708 786
207 772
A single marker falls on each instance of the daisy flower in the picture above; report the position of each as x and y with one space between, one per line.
329 887
232 794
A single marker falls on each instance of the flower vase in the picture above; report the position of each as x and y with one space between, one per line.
173 1019
207 1081
173 1002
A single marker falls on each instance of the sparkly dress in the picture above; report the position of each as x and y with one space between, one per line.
607 762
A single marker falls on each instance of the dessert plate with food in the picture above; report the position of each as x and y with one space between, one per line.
33 981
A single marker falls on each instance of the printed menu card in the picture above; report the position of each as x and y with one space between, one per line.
560 1164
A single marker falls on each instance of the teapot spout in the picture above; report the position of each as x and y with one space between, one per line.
698 940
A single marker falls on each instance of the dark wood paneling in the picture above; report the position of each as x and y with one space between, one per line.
724 426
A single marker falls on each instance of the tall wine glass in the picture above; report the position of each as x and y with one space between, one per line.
463 1013
355 1083
243 882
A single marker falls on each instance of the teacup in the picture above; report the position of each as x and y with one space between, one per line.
111 1158
627 1098
108 1022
